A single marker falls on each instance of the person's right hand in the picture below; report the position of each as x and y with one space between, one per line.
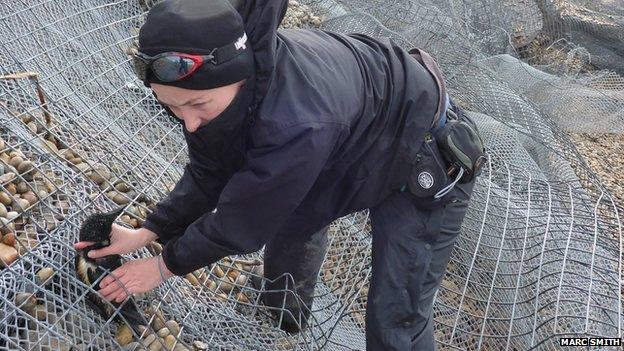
122 241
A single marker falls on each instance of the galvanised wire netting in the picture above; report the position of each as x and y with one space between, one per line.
540 255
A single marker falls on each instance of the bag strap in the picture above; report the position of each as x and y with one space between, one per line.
429 63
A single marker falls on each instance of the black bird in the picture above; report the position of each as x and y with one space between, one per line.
97 228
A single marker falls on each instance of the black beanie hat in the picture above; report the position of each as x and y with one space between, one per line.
198 27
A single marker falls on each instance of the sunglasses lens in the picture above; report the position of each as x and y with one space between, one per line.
140 68
172 68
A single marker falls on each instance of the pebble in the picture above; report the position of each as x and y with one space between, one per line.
3 210
218 271
83 167
75 160
7 177
28 118
192 279
233 274
22 188
5 226
163 332
212 285
158 323
42 314
241 297
123 335
328 275
156 345
148 339
26 301
122 187
51 146
173 326
169 342
120 199
21 205
30 197
241 280
16 161
100 174
226 287
132 210
67 153
44 274
9 239
8 255
11 188
125 218
200 345
42 194
106 187
5 198
25 167
9 168
96 178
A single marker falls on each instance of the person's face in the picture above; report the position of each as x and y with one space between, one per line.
196 107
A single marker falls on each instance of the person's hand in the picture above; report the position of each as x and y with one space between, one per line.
133 277
122 241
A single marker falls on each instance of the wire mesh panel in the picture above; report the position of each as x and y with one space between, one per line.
540 255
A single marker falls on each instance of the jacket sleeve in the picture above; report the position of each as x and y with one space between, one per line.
257 200
194 194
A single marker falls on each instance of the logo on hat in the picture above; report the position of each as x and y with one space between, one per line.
240 43
425 179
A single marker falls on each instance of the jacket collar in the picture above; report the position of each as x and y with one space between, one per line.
261 19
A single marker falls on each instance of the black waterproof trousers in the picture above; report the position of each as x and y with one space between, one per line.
292 261
411 249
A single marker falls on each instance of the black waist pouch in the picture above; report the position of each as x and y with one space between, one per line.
461 146
428 179
453 153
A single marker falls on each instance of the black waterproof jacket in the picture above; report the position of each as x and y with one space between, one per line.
321 139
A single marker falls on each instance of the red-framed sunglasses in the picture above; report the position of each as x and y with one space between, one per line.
169 66
172 66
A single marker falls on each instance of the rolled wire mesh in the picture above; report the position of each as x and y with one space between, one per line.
539 256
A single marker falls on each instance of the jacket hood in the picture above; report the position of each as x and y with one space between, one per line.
261 19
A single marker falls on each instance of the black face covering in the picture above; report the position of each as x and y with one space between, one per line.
225 127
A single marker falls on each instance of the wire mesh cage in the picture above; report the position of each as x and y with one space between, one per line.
540 255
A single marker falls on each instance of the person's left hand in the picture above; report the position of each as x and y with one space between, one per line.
137 276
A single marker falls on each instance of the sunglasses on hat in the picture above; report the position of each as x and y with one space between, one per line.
173 66
169 66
